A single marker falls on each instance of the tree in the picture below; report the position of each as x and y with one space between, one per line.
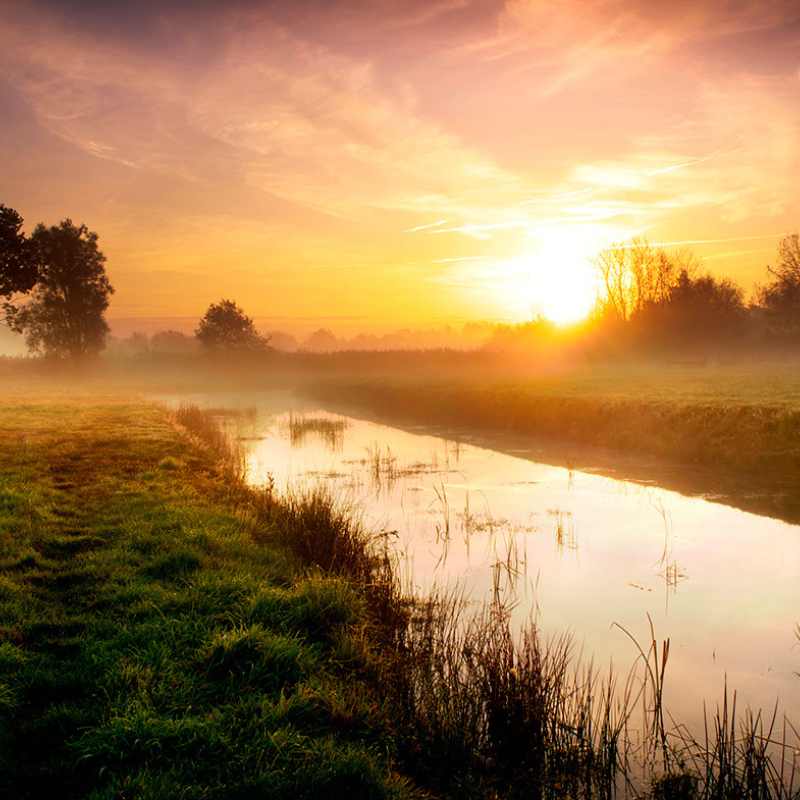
172 342
226 327
780 298
65 314
696 312
635 274
17 265
321 341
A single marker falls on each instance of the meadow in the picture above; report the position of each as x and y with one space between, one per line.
730 430
154 643
169 632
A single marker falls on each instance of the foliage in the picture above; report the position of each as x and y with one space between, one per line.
18 271
692 313
225 326
64 316
780 298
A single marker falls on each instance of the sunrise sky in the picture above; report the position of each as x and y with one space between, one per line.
376 164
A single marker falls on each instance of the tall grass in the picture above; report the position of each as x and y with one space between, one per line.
753 437
480 709
330 431
204 424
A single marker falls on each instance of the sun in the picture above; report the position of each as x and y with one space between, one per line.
564 276
555 277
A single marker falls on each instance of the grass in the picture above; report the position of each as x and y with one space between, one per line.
169 632
155 641
742 426
748 436
329 430
481 710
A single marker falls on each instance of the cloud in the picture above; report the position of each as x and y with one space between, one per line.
322 133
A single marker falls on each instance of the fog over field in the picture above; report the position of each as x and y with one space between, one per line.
400 400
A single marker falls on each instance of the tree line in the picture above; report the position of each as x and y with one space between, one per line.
658 299
55 292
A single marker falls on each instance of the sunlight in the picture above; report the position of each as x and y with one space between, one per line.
556 277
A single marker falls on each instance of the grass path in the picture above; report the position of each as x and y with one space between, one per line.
150 647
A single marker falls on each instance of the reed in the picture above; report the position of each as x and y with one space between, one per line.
481 709
329 430
204 425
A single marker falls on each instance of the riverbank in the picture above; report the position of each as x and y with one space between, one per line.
746 454
169 632
155 641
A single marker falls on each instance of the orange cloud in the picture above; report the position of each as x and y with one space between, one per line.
307 154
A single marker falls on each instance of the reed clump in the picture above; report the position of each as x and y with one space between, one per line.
477 708
329 430
204 424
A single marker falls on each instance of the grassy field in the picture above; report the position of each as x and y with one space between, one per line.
153 644
168 632
736 421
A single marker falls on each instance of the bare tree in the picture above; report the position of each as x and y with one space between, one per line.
780 298
635 274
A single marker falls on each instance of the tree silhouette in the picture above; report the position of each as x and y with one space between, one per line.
635 274
780 298
226 327
65 313
173 342
17 263
696 312
321 341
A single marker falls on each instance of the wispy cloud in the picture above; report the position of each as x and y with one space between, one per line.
303 142
426 227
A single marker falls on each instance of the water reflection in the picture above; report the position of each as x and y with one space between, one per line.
588 551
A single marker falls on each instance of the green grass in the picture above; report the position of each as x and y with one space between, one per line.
739 421
168 632
150 647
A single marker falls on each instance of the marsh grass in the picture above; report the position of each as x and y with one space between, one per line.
220 641
483 710
331 431
204 424
325 532
739 431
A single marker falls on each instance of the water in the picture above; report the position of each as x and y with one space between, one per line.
585 551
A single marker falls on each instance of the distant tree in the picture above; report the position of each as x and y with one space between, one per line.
529 338
321 341
635 274
18 270
281 340
173 342
226 327
64 316
696 312
137 344
780 298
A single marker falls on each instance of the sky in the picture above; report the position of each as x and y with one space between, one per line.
373 164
